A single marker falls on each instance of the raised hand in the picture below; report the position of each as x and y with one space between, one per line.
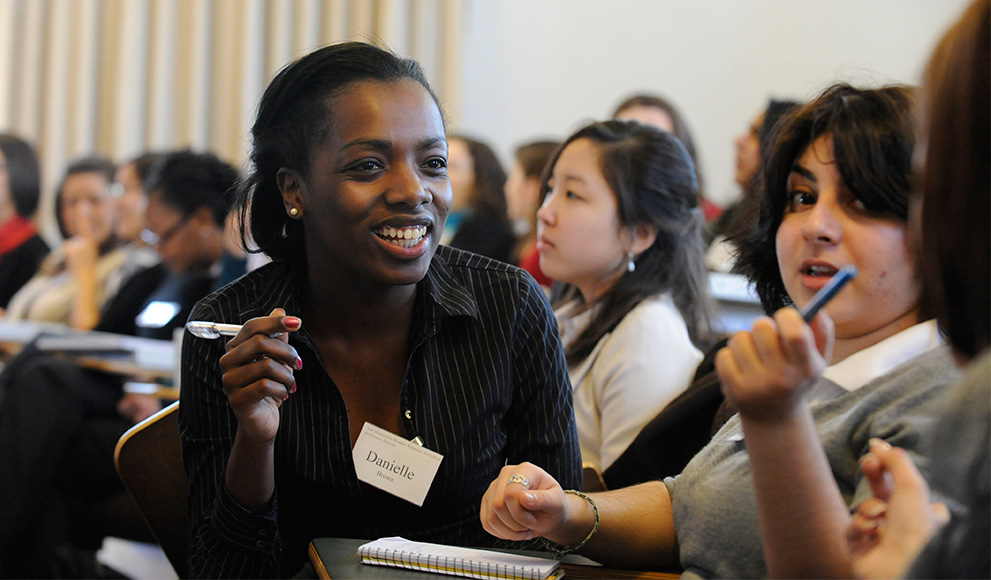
258 373
82 250
766 371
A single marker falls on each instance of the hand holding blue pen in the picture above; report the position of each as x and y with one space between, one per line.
826 293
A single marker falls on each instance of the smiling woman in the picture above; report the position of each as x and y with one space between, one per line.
349 195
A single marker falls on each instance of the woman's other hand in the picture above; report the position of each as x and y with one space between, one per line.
889 530
525 502
765 372
258 373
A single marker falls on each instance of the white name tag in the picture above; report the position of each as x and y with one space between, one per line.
393 464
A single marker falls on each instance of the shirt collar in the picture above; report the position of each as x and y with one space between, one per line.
874 361
440 293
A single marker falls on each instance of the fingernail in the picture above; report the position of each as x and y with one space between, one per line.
293 389
299 363
875 510
291 322
529 496
880 444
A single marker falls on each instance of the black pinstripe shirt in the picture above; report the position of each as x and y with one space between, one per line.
486 383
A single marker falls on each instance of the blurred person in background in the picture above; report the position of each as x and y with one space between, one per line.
75 280
523 197
659 112
21 247
478 221
750 146
59 422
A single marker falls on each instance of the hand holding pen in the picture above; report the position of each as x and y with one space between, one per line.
258 371
765 372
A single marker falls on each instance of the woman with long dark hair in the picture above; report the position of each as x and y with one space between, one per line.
620 225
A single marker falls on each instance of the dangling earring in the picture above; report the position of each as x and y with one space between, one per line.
293 212
631 266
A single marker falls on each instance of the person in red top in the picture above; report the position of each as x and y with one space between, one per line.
21 248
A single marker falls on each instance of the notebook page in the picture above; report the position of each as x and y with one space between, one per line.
469 562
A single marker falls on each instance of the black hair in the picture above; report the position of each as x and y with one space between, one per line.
293 116
652 177
774 112
144 164
490 179
187 181
873 137
680 127
23 174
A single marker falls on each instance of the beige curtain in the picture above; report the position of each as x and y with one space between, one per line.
118 77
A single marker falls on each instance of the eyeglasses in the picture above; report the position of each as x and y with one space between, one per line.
152 239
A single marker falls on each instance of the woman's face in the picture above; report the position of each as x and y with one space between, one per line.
461 170
748 153
378 194
87 207
522 194
578 230
186 244
824 228
131 202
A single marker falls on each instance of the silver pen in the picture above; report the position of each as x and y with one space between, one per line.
206 329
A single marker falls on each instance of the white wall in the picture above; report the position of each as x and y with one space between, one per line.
534 68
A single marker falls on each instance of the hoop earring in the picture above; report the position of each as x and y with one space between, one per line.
294 212
631 266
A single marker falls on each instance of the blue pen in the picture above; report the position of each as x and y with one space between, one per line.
826 293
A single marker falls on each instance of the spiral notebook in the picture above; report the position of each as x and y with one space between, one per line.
456 561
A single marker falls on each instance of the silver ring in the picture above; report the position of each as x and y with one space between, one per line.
517 478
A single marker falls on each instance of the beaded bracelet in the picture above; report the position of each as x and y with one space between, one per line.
560 551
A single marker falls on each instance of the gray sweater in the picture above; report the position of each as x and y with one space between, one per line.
961 475
715 512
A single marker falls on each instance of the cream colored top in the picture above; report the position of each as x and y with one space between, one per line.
49 295
633 373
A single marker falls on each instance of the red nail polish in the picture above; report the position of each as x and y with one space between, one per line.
291 322
293 389
299 363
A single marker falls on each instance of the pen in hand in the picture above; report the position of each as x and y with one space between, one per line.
205 329
826 293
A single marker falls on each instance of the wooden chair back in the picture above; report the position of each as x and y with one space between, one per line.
149 463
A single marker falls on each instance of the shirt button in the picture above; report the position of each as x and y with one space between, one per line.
260 544
409 414
263 533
